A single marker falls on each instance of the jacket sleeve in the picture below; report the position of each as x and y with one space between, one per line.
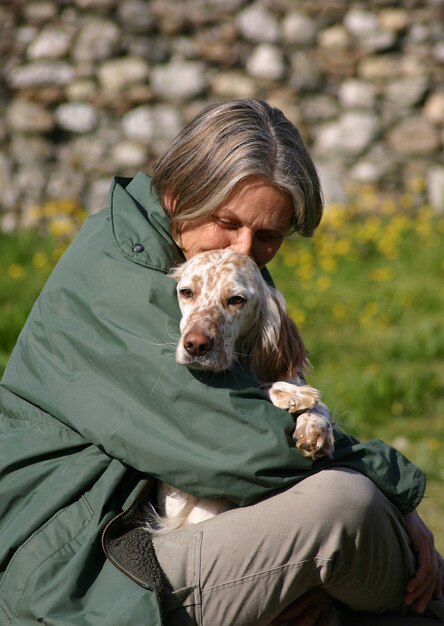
98 355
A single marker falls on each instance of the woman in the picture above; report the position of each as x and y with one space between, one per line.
93 404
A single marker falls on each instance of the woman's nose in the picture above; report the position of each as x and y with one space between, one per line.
243 243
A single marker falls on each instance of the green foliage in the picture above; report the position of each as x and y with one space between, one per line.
25 262
26 259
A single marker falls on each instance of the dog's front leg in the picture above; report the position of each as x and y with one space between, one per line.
313 433
292 397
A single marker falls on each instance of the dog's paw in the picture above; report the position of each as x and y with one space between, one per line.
292 397
313 435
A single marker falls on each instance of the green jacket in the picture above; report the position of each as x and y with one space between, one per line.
92 402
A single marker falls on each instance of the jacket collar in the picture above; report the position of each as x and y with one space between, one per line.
140 225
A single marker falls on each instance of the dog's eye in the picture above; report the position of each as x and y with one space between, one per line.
236 300
186 293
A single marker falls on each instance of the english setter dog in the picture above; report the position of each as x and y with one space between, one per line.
229 314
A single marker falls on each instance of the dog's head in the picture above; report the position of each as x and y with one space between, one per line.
229 313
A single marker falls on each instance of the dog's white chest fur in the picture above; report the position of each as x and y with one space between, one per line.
178 508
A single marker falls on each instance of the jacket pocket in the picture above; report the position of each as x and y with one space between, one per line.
39 550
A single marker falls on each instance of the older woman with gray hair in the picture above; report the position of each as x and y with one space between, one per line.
95 411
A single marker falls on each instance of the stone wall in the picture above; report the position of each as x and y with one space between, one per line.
94 88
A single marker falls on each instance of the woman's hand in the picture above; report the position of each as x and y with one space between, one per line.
427 582
311 609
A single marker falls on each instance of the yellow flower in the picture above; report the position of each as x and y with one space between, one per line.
323 283
406 201
335 215
39 260
290 259
365 320
16 271
388 206
388 247
68 207
328 263
339 311
58 209
416 184
305 273
367 317
62 227
304 257
50 209
35 213
58 251
400 223
433 444
370 230
425 212
424 229
343 247
310 302
368 197
382 274
297 315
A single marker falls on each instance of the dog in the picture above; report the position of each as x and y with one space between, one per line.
229 314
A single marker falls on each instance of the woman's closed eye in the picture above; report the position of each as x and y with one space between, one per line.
262 235
226 223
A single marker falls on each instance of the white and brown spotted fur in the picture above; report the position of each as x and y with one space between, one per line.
230 314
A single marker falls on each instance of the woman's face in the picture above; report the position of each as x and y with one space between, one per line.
253 220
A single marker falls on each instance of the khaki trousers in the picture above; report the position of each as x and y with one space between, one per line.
334 530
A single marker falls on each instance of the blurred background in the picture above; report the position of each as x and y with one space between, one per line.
90 89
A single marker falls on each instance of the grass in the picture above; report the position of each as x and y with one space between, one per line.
367 294
26 259
25 262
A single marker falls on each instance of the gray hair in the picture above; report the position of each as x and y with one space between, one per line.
225 144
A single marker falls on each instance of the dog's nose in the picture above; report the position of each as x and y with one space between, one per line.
197 344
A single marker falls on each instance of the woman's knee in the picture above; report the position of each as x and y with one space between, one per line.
362 535
343 510
341 495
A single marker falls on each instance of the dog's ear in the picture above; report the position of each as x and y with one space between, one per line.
176 272
279 352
